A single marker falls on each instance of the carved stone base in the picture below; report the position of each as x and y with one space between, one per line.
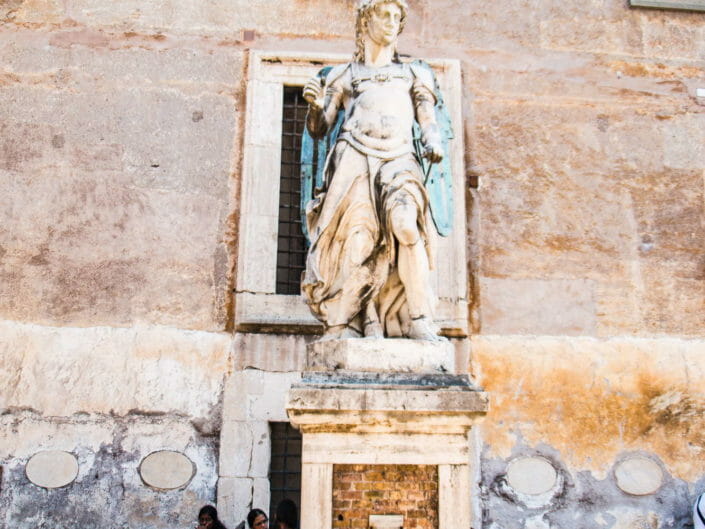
381 355
368 418
384 402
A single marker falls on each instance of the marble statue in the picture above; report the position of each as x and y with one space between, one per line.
368 220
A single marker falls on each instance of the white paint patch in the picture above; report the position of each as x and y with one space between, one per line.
52 469
386 521
537 522
167 470
700 92
531 475
638 476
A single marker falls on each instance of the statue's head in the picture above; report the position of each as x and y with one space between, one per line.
371 20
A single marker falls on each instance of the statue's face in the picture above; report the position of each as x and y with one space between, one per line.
384 23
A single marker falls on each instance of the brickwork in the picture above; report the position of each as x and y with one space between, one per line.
362 490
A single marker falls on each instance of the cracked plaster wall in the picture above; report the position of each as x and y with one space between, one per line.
108 488
588 405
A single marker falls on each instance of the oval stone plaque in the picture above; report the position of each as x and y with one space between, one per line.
167 470
638 476
531 475
52 469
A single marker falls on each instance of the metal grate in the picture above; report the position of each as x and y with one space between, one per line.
285 467
291 245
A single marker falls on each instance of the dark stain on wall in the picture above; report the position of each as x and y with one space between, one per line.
583 502
108 491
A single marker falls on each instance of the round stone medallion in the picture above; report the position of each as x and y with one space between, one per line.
52 469
638 476
167 470
531 475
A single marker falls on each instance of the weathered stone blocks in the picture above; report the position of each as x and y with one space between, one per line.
108 165
538 306
61 371
381 355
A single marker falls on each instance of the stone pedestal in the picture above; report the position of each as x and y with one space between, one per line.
384 402
388 355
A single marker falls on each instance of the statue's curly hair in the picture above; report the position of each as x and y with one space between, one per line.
364 8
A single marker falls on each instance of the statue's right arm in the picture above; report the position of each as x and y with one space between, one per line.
323 105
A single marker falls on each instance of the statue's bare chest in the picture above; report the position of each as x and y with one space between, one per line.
381 102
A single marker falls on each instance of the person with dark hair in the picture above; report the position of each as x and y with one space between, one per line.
256 519
287 516
208 518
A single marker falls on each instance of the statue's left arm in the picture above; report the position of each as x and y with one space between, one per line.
424 103
434 131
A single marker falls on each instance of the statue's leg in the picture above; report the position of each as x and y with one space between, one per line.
356 277
373 327
412 259
413 267
351 229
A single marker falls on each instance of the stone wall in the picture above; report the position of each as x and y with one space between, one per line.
109 487
120 153
117 147
110 397
619 421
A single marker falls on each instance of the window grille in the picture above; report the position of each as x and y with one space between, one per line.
291 245
285 467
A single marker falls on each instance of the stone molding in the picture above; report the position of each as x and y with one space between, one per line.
257 306
365 410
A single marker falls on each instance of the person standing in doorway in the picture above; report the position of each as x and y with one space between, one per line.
287 515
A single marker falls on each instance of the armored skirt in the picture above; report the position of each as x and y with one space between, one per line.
351 273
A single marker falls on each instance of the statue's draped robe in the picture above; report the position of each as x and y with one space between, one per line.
351 273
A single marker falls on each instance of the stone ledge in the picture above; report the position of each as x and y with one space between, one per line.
398 355
389 400
356 379
359 409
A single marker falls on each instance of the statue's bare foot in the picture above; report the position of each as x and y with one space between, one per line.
424 329
339 332
373 329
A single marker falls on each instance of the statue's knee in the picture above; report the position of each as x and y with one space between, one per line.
404 226
360 244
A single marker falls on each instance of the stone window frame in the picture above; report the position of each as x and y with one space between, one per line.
257 307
